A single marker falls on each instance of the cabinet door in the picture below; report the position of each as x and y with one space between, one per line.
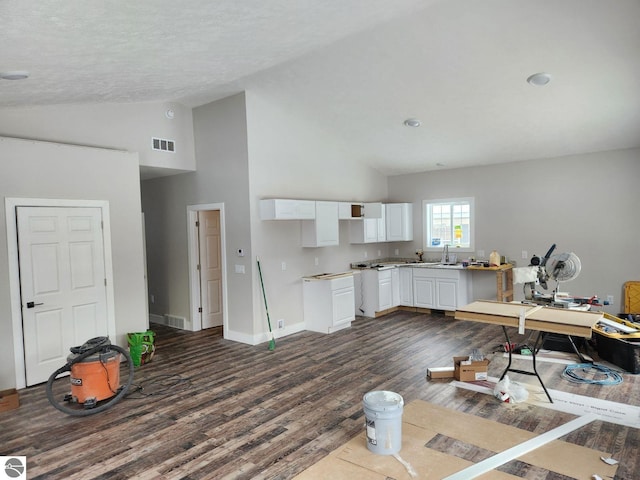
385 293
395 287
446 294
399 222
423 292
370 226
343 305
323 231
381 224
406 286
285 209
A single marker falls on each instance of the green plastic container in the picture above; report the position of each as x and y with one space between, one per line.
141 347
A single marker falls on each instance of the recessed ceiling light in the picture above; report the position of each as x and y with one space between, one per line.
412 122
539 79
14 75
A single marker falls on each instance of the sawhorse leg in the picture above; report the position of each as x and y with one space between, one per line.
539 340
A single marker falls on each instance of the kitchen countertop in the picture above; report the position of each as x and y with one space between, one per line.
328 276
386 264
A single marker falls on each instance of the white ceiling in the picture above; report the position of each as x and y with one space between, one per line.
356 67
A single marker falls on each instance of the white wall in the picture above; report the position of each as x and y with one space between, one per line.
32 169
586 204
292 156
222 177
248 147
125 126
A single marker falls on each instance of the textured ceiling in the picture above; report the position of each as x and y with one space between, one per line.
356 67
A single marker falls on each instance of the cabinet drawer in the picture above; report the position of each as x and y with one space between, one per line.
343 282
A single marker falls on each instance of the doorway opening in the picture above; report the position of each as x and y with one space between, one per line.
207 266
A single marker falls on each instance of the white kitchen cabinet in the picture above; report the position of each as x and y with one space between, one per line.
351 211
287 209
395 287
399 222
323 230
405 275
380 290
424 286
441 289
328 302
368 230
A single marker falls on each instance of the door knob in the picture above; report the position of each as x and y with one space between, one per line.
32 304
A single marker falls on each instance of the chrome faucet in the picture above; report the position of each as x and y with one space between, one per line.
445 254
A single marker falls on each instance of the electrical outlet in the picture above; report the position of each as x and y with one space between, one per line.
365 254
239 268
284 266
280 323
316 261
379 253
610 299
525 254
397 251
480 253
153 298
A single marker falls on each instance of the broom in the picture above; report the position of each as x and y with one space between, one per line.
272 342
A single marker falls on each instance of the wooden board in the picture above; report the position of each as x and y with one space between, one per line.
546 319
423 421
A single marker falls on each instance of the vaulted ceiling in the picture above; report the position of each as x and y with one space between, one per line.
357 67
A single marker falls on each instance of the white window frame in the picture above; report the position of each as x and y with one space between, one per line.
426 217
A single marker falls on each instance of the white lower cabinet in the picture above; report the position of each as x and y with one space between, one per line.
433 288
329 304
406 286
441 289
395 287
424 287
377 291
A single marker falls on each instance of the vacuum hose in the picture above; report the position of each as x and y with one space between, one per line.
67 368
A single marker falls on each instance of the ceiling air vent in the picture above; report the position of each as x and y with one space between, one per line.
163 145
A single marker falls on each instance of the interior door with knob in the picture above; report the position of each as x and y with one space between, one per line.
62 284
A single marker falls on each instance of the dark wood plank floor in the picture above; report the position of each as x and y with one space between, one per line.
228 410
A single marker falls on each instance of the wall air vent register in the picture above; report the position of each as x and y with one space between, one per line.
163 145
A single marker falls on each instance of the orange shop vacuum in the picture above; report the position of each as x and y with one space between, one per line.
94 376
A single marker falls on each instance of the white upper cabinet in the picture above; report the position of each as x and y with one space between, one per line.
353 211
323 230
368 230
399 220
286 209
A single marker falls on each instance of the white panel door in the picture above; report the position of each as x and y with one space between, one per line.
210 267
62 284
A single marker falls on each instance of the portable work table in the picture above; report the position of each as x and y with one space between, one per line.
532 317
504 280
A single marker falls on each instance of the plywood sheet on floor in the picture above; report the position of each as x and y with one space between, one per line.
422 422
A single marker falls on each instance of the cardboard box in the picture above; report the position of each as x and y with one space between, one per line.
9 400
439 372
466 371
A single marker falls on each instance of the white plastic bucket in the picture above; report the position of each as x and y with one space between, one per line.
383 417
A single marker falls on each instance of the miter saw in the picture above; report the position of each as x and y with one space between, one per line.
561 267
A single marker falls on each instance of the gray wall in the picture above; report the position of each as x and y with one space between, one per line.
125 126
586 204
32 169
222 177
